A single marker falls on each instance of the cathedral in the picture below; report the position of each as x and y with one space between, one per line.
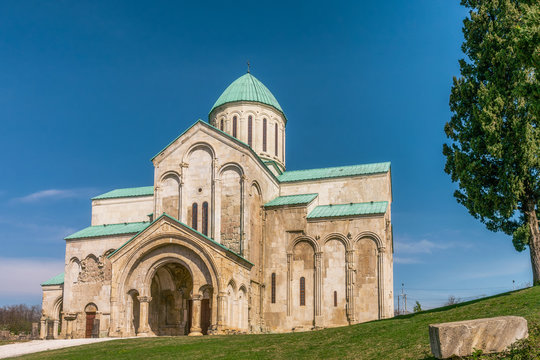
227 240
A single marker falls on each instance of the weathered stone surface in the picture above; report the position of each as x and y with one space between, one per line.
490 335
305 273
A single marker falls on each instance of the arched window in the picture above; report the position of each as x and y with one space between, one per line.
335 298
234 126
221 125
273 288
250 130
264 134
194 216
275 138
302 291
205 218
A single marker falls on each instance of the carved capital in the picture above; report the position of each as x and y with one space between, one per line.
144 299
382 250
70 316
196 297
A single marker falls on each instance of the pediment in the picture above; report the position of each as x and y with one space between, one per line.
201 131
168 227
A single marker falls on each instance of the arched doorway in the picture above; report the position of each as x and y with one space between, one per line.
206 312
133 310
92 324
170 307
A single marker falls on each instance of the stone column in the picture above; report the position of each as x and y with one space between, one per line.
196 316
289 283
43 330
144 303
180 206
380 280
318 290
216 211
69 320
212 213
350 282
156 204
243 179
55 328
221 303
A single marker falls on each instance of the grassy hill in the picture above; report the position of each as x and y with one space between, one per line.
403 337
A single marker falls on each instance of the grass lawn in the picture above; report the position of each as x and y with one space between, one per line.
403 337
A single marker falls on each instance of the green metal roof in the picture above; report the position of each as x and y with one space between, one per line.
276 166
248 88
57 280
127 192
352 209
187 226
292 200
110 229
332 172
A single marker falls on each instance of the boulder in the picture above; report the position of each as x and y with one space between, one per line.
462 338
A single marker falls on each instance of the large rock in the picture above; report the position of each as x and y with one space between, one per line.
490 335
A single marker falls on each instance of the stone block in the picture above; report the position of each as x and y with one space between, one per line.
462 338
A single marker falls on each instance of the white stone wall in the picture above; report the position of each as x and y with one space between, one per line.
87 280
342 261
120 210
344 190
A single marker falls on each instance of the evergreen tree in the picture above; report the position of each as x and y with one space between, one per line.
494 148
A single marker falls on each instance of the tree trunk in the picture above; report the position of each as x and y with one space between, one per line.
534 242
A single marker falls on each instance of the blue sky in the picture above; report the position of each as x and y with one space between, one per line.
90 91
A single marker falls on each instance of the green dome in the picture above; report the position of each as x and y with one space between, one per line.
248 88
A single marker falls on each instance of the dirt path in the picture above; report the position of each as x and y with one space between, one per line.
29 347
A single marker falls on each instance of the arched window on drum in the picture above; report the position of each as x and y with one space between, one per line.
205 218
194 210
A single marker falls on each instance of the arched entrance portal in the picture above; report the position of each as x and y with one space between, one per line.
164 282
171 309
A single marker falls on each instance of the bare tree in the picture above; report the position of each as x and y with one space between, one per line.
452 300
19 318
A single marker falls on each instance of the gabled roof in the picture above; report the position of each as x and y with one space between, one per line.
127 192
110 229
165 215
241 143
57 280
248 88
333 172
300 199
352 209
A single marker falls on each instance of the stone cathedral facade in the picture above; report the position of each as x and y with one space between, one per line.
228 241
